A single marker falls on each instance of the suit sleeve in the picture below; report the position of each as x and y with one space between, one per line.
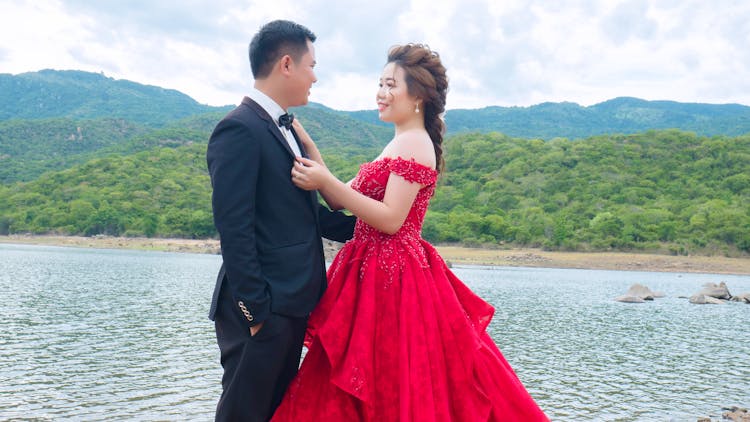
335 225
233 158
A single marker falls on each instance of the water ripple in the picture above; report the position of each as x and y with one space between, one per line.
585 357
123 335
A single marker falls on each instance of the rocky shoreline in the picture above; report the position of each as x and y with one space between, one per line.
452 254
622 261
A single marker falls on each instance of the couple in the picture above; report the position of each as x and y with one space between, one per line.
396 336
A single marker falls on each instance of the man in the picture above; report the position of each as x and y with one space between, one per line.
274 270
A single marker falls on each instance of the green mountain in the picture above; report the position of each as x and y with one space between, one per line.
158 192
28 148
84 95
656 189
572 121
665 191
51 120
84 154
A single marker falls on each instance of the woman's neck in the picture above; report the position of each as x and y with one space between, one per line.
411 124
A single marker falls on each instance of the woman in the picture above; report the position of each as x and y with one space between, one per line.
397 337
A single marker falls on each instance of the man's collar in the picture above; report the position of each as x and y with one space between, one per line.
269 105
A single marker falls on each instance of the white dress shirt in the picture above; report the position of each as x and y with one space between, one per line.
274 110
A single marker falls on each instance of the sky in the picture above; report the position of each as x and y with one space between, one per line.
497 52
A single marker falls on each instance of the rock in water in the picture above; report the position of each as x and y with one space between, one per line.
629 299
637 293
737 414
701 299
639 290
719 291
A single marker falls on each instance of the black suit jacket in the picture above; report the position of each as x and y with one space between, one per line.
270 230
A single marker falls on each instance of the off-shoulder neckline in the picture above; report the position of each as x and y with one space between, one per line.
399 158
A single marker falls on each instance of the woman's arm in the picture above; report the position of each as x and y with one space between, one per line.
389 214
386 216
315 155
307 142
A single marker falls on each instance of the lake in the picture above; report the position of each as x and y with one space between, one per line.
93 334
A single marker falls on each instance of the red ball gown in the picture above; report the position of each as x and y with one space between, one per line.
397 336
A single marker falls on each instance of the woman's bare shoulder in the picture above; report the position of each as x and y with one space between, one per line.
414 145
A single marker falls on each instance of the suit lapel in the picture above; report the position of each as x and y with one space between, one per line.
299 144
313 193
272 126
276 131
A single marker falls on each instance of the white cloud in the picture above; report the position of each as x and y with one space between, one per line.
352 91
37 36
514 52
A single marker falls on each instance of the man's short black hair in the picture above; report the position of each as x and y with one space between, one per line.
274 40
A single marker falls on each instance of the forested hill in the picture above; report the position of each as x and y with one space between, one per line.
572 121
85 95
29 148
81 153
51 120
665 191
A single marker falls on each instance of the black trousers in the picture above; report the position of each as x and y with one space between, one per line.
259 368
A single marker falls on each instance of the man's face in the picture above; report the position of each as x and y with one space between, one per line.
302 77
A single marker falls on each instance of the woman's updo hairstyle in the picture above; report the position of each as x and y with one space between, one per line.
426 80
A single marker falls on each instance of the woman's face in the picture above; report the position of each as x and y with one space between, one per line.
394 102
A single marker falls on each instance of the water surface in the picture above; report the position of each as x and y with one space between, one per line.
123 335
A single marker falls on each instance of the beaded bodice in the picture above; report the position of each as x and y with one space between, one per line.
372 180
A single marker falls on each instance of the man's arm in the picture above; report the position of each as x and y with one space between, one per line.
233 159
335 225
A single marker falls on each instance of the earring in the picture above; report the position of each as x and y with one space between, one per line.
416 108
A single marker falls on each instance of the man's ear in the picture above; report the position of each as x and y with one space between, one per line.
285 64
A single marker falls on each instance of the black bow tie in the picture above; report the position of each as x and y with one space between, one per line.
286 120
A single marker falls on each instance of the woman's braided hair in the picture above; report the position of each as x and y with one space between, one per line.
426 79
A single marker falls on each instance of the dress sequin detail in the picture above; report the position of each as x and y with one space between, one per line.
397 336
371 181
